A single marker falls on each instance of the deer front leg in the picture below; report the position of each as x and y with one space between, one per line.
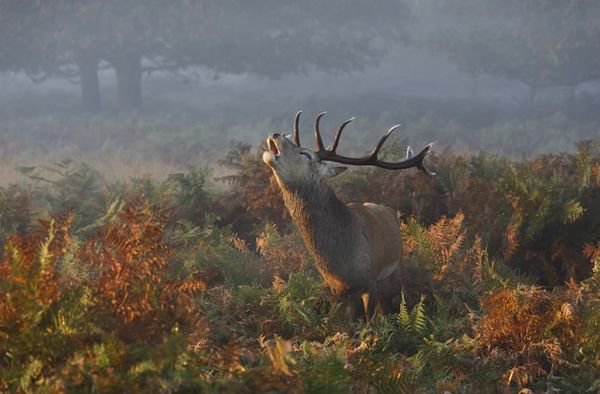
372 302
389 290
357 308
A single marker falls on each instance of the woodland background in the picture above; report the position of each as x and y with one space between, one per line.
145 245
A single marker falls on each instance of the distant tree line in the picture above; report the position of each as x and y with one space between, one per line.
73 38
541 43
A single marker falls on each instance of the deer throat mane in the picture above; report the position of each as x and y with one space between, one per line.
325 223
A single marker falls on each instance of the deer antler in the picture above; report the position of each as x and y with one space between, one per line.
329 154
296 131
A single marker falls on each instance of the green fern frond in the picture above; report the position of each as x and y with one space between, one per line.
413 321
114 207
31 373
327 375
418 319
44 255
403 316
143 367
572 211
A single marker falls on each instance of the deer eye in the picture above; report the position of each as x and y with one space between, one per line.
306 154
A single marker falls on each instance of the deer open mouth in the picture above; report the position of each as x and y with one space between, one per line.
273 147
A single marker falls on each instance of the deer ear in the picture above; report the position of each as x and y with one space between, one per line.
329 171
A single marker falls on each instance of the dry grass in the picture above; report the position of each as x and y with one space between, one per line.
114 166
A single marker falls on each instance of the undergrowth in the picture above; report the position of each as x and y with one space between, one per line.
182 286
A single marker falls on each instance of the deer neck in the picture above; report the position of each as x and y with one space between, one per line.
324 222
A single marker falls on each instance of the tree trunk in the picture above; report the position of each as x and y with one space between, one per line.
90 83
128 70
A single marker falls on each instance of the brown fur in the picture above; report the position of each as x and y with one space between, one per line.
355 246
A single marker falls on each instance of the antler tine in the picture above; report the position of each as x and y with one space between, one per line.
296 128
371 159
336 139
377 147
318 139
420 164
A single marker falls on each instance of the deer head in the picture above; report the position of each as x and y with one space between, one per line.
292 163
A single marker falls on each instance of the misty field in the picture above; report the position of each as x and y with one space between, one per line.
197 281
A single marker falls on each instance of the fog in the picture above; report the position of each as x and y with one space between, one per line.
163 86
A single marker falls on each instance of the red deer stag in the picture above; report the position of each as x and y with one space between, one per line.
355 246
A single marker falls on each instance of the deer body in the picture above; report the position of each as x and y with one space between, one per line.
355 246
